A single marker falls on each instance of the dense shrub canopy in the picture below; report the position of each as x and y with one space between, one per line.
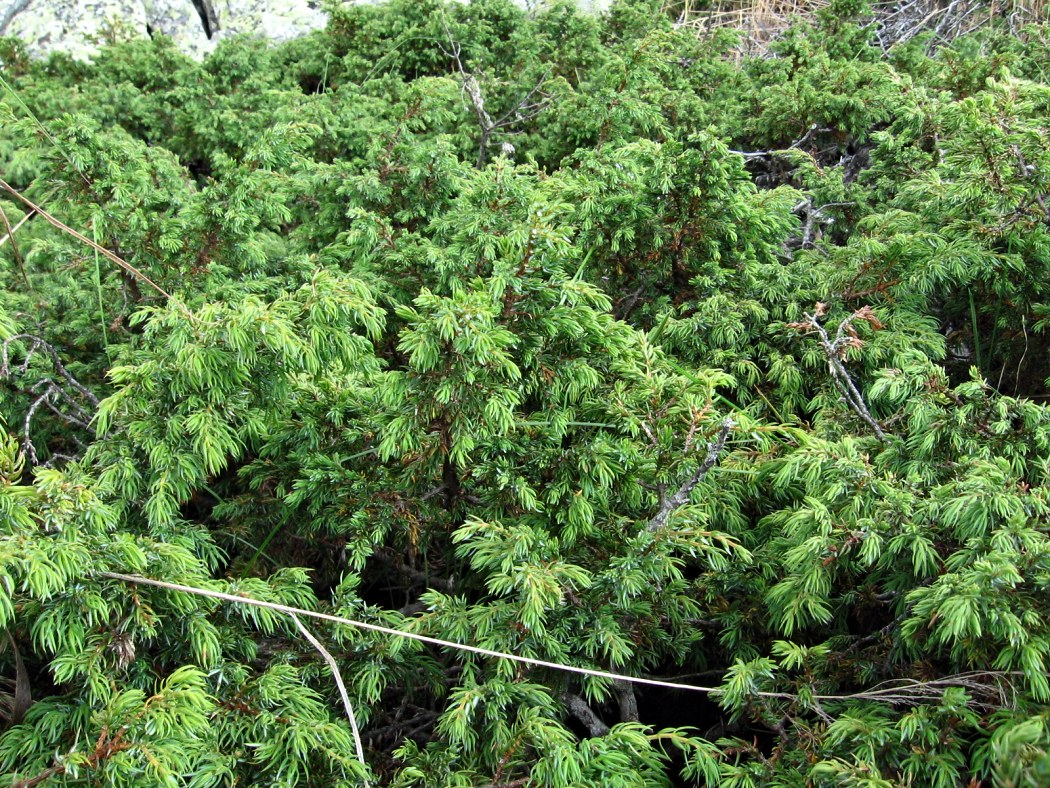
578 338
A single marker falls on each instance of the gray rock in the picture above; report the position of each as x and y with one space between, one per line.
74 26
180 20
8 8
276 20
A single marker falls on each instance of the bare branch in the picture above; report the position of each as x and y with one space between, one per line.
403 729
681 497
835 352
425 578
44 776
41 344
23 695
815 217
48 391
627 700
579 709
523 110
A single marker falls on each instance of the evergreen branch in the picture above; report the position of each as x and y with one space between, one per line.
120 261
669 505
541 663
106 747
36 121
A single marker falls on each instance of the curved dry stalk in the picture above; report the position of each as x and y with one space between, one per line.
995 683
14 246
338 682
120 261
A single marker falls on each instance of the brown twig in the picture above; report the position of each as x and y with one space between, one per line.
14 246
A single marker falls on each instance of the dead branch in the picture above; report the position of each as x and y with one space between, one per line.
447 585
835 352
893 21
628 701
531 104
403 729
62 394
22 698
669 505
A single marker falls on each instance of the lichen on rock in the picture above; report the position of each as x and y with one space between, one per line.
76 27
277 21
180 20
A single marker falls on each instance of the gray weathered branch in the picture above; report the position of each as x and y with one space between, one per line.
527 107
48 392
627 700
579 709
681 497
835 351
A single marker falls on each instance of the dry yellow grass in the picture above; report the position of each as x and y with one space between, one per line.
761 21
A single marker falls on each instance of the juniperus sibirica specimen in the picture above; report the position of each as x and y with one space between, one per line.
699 393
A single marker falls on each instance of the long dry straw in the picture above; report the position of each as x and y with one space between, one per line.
898 691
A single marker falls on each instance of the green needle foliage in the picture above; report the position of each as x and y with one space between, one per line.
578 338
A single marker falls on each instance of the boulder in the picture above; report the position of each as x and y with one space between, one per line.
8 8
181 20
73 26
76 26
276 20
